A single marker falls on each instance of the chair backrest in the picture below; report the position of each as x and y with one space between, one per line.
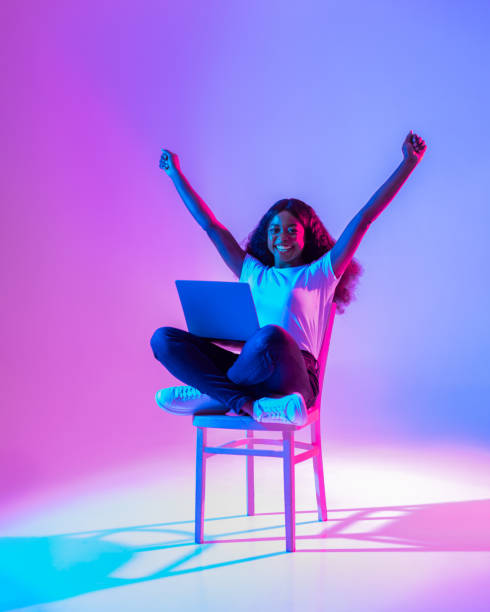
322 357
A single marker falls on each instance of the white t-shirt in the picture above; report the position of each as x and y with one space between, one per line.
296 298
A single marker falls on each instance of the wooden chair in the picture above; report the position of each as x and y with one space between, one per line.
288 445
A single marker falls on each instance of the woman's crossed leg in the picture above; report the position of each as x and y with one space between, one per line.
270 365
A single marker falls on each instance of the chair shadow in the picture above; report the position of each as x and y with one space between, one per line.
38 570
449 526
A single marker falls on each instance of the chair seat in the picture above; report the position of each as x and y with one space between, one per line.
225 421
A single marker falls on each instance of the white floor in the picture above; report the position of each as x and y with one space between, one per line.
408 530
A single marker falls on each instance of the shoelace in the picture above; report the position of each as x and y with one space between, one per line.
275 412
187 392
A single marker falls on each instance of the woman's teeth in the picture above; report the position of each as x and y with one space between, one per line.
283 249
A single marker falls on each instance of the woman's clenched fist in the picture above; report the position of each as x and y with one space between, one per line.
169 162
413 147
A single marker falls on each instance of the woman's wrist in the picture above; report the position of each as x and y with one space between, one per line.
176 174
410 162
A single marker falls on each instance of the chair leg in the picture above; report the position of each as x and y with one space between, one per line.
289 490
200 483
250 476
321 501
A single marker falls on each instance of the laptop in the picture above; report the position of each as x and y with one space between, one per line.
217 310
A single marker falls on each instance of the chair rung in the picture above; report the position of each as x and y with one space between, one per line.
297 443
234 443
306 455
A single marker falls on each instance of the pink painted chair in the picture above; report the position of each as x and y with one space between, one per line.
288 445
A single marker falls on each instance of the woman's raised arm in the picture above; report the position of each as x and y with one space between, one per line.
229 249
342 252
413 149
196 205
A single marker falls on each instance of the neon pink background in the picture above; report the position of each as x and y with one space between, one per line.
260 102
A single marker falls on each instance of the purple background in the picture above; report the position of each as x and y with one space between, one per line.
260 101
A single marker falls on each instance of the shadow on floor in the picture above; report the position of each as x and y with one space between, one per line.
45 569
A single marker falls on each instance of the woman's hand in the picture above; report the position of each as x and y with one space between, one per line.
413 148
169 162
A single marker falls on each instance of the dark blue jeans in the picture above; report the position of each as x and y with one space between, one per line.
271 363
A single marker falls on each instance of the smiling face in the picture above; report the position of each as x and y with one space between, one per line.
285 230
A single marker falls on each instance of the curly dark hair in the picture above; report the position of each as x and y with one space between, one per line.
318 241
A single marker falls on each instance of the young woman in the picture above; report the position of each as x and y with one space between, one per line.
295 270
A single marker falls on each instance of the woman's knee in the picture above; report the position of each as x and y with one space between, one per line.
162 338
273 334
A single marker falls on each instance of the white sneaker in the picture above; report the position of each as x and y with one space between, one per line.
289 409
188 400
